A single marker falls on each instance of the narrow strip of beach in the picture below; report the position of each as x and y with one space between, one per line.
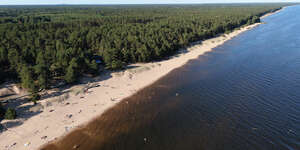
78 105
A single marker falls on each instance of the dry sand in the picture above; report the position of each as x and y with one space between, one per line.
56 116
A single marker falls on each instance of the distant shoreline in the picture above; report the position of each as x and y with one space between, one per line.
272 13
126 4
87 102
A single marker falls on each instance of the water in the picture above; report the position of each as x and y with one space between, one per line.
245 95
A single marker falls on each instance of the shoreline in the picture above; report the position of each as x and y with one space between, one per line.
272 13
77 106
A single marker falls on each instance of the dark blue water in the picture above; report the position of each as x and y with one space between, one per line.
245 95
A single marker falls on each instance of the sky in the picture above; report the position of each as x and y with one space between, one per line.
43 2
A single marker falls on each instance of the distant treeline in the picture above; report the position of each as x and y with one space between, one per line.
42 44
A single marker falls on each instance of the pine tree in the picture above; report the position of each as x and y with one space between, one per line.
26 78
71 74
41 70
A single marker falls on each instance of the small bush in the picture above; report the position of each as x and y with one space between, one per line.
10 114
35 97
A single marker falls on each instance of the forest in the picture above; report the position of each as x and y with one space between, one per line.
43 44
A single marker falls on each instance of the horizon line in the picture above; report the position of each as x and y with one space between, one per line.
147 3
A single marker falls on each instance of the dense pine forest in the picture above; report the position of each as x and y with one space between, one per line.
43 44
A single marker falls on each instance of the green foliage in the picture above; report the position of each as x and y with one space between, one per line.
93 67
27 78
10 114
117 64
72 72
35 97
255 19
40 44
41 69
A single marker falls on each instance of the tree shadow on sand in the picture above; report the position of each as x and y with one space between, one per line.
23 112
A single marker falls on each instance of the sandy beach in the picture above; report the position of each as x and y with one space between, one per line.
269 14
74 107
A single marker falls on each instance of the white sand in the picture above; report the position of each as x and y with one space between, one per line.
269 14
56 120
